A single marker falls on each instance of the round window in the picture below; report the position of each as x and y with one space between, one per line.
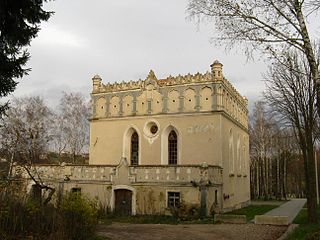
151 129
154 129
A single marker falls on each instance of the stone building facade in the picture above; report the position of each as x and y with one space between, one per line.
159 143
184 138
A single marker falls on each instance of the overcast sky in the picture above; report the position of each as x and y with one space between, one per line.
122 40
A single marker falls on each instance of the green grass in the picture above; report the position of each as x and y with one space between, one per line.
304 228
253 210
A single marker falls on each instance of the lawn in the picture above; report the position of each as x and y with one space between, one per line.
304 228
253 210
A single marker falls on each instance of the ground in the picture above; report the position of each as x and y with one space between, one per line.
120 231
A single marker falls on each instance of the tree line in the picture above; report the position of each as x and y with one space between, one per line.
276 162
32 132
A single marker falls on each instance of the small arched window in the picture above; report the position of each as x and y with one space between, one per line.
231 153
134 149
172 148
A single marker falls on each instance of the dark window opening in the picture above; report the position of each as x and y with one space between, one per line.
173 148
134 149
76 190
173 199
154 129
216 197
36 193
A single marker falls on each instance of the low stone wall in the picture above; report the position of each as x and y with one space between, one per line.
149 186
143 174
271 220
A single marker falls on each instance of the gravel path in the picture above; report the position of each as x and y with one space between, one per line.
119 231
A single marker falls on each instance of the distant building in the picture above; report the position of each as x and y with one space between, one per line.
160 143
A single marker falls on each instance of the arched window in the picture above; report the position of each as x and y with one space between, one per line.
231 153
172 147
134 149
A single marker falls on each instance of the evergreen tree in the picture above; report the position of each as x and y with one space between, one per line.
19 24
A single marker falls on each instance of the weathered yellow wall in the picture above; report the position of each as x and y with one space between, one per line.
236 180
198 139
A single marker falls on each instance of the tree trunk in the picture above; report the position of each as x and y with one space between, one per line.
284 186
309 51
278 177
311 186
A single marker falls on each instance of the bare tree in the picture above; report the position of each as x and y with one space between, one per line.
262 130
59 143
74 112
25 129
275 162
271 26
292 94
25 136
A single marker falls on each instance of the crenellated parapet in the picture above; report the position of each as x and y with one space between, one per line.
200 92
134 85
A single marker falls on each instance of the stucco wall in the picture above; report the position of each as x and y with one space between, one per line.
236 178
198 139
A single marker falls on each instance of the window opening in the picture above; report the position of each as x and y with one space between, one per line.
173 199
173 148
76 190
216 197
36 193
154 129
134 149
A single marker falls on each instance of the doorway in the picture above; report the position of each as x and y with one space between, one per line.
123 202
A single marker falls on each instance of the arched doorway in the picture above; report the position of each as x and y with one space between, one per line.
123 202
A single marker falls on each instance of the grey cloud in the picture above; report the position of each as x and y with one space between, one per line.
123 40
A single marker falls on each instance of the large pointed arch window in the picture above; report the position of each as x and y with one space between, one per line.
172 148
134 156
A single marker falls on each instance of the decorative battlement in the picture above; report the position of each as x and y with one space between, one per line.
191 93
99 87
216 75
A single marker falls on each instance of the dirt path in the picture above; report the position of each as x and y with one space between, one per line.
119 231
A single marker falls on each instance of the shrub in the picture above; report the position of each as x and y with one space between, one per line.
313 236
79 216
23 218
185 211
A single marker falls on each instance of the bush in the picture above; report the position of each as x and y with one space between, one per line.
22 218
186 211
313 236
80 216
